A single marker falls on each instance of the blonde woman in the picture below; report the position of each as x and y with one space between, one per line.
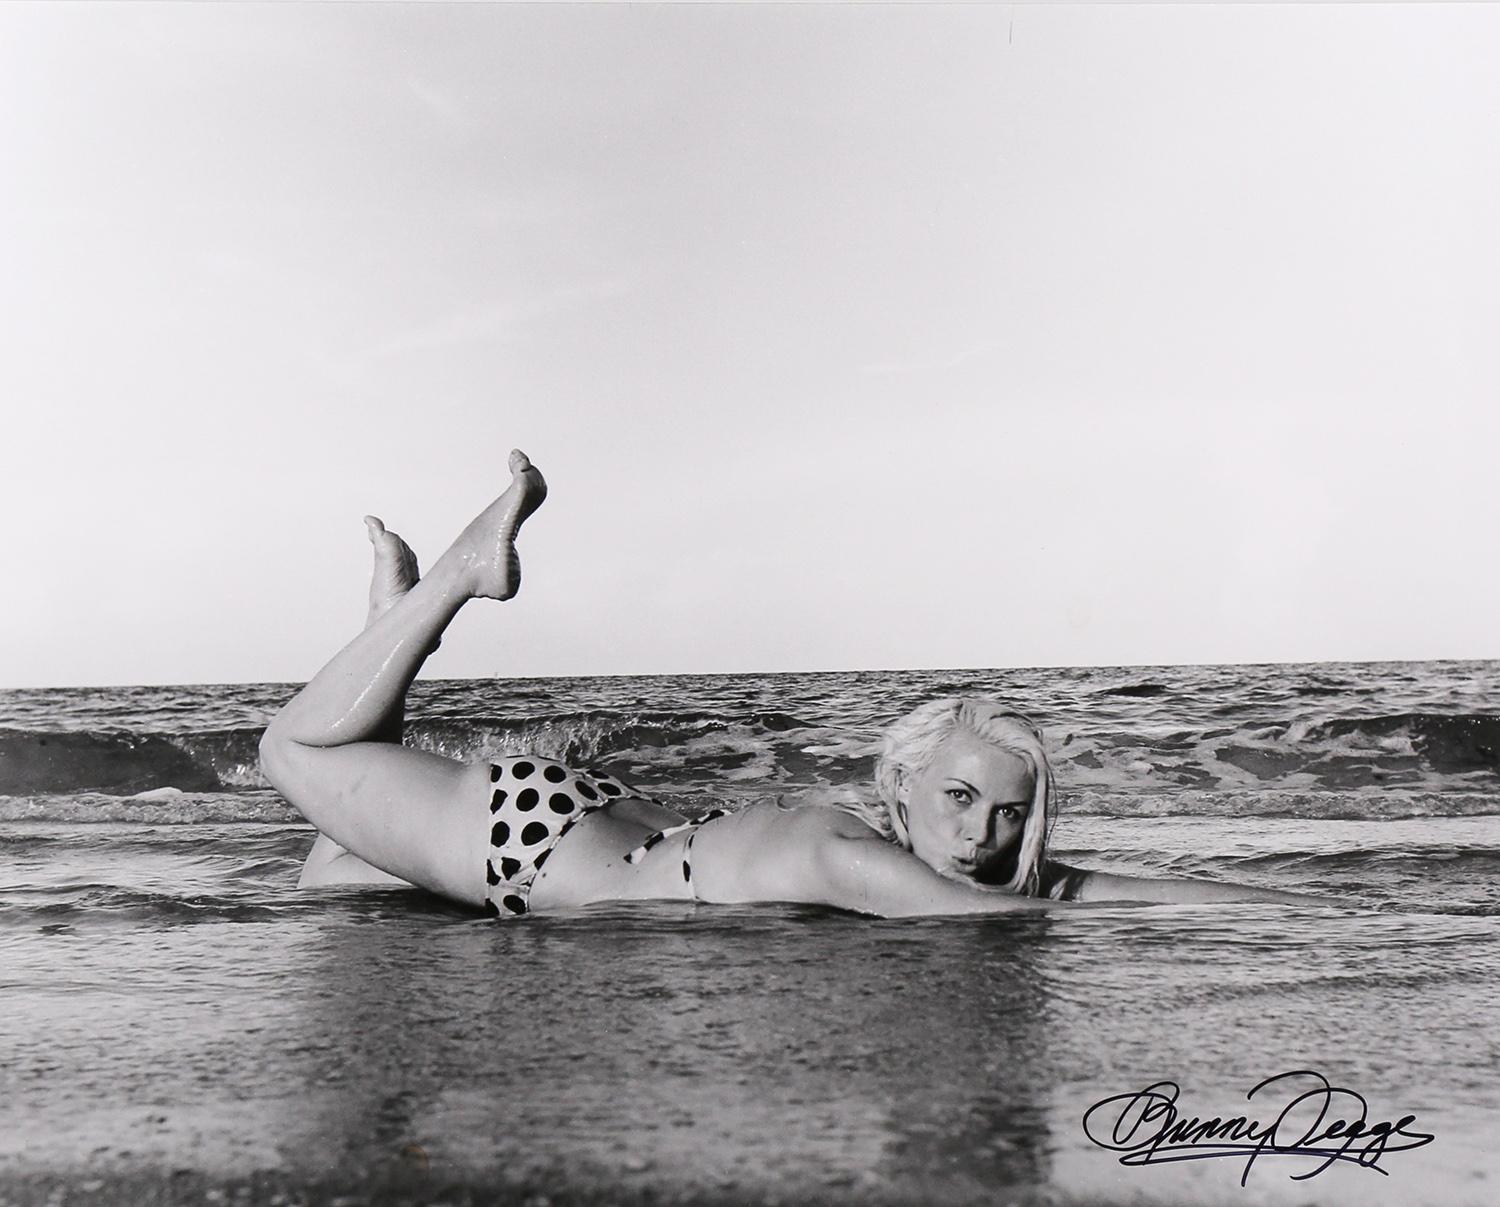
966 790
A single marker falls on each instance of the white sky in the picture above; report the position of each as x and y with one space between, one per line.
847 336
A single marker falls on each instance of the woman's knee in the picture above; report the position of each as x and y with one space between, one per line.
277 758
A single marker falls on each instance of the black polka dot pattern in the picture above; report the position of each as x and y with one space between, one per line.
521 837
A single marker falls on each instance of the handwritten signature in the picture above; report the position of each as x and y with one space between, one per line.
1147 1127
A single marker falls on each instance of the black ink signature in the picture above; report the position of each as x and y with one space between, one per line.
1147 1128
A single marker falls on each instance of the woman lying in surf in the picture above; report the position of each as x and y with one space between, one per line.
966 790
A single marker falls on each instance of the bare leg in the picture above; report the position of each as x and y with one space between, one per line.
394 574
410 813
349 699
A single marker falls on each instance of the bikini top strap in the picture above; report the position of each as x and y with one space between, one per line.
639 853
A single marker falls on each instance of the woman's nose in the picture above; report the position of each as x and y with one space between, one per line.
976 827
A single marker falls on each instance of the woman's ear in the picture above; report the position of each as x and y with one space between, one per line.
898 814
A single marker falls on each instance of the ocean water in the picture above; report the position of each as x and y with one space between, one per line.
180 1022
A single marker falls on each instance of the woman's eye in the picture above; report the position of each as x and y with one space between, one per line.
959 795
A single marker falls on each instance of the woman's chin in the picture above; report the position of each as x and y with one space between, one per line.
997 870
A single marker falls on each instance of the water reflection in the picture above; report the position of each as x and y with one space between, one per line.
687 1050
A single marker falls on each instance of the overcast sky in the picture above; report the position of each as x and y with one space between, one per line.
847 336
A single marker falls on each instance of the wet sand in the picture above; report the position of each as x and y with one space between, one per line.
258 1045
401 1189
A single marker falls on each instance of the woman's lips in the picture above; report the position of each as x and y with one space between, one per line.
977 866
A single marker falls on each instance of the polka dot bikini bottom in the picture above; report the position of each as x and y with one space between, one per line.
533 803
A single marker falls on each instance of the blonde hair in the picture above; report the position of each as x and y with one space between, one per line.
911 743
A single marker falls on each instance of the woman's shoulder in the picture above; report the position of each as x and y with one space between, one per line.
780 849
814 816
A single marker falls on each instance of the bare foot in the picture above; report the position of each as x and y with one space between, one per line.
395 570
486 549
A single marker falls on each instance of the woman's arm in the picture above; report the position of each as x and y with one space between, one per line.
1107 886
872 876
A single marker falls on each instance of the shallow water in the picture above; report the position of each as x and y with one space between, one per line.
177 1013
181 1005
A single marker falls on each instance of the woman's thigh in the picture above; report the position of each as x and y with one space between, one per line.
412 814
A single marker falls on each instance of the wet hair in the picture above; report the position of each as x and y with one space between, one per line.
912 742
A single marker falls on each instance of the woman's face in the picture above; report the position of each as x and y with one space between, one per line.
966 810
